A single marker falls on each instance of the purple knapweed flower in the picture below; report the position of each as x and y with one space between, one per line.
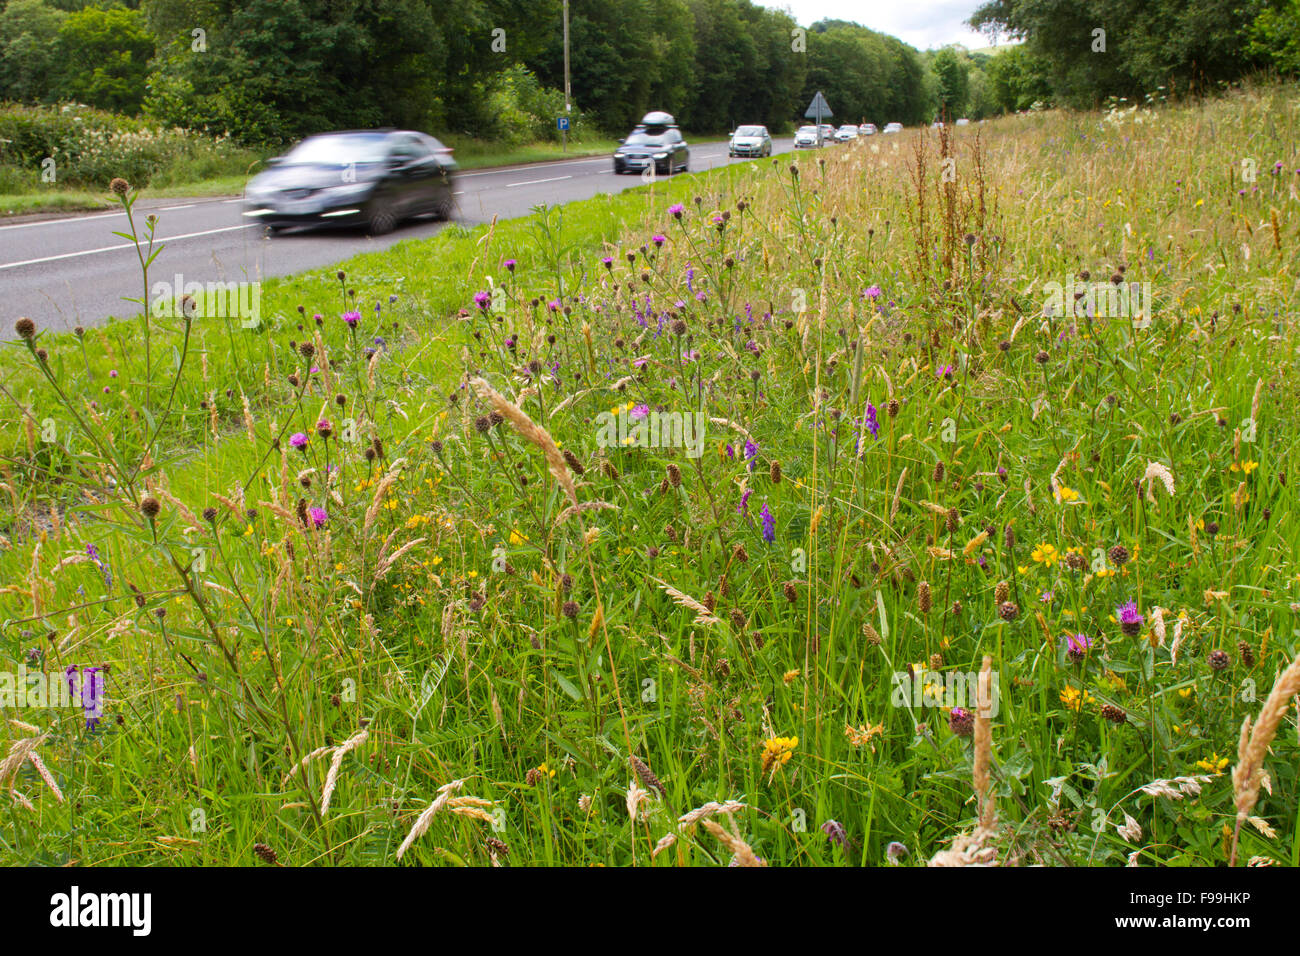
318 517
676 210
1130 621
298 439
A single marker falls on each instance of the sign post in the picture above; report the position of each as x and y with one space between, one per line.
562 124
818 108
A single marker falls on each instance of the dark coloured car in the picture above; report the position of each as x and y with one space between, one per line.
655 143
369 178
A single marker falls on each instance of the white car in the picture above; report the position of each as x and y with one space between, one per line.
893 127
846 133
806 138
963 122
868 129
750 141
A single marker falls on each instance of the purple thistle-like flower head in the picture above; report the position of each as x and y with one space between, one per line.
658 240
640 411
483 300
873 292
510 265
298 439
318 517
961 722
1076 646
769 524
943 371
835 832
676 210
352 318
1128 613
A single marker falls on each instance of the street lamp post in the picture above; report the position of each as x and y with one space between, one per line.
567 105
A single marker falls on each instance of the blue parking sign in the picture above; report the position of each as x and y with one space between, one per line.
562 123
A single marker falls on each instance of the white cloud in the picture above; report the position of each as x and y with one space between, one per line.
922 23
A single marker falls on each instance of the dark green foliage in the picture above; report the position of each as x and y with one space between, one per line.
1149 47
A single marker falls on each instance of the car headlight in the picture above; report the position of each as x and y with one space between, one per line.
661 155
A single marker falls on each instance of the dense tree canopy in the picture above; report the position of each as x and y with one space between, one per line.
1090 50
267 71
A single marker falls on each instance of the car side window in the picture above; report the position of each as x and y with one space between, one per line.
406 149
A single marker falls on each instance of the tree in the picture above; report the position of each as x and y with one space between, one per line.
952 84
103 55
1096 49
28 58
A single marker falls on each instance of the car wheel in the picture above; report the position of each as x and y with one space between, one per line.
381 219
444 209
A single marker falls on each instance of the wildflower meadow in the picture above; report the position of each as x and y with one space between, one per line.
929 500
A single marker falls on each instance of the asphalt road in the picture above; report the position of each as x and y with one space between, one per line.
73 271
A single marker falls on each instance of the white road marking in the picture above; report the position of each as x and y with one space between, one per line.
125 245
547 165
170 208
48 222
534 182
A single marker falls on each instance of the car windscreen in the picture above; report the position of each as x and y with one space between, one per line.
340 150
750 131
807 129
643 139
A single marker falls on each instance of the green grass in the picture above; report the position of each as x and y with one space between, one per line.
456 620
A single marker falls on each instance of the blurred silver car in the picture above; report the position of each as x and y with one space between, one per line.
806 138
750 141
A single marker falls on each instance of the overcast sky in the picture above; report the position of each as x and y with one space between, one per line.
922 23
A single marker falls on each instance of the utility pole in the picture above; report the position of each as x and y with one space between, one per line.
567 105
